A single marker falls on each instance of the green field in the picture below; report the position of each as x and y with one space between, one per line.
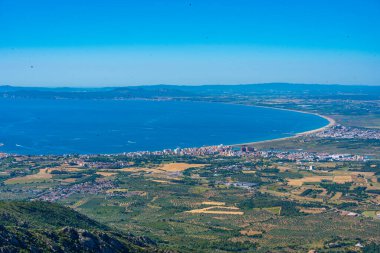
198 210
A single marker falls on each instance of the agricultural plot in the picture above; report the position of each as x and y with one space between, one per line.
105 174
41 176
372 214
318 179
275 210
216 208
313 210
339 177
175 167
214 203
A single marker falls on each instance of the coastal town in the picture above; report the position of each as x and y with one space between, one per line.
343 132
228 151
238 151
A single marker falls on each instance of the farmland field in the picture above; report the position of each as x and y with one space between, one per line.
174 200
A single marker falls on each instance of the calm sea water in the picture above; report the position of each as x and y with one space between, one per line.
30 126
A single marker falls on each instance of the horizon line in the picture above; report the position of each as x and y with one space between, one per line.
181 85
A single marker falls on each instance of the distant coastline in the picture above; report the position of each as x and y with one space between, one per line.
331 123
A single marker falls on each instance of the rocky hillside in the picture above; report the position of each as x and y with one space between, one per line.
46 227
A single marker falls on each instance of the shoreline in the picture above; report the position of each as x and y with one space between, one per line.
332 122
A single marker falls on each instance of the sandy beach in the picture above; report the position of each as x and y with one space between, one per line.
331 123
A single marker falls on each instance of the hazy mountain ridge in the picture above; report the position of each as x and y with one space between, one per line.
180 91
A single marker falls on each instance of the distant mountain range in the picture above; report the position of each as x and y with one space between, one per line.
179 91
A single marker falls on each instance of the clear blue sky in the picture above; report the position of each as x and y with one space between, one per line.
131 42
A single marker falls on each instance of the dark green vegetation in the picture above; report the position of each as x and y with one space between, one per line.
229 204
47 227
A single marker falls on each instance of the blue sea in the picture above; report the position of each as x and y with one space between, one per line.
48 126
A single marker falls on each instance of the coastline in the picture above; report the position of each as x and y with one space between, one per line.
331 123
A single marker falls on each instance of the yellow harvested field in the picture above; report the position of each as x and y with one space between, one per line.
337 196
71 169
213 203
223 207
161 181
317 179
215 212
377 199
125 204
373 185
173 167
313 210
342 179
360 180
64 168
43 174
220 210
301 181
250 232
68 180
105 174
162 169
365 174
249 172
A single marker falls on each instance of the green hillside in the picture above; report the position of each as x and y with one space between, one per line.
46 227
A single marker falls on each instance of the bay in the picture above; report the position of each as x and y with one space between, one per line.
53 126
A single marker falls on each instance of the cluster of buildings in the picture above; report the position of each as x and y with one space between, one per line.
199 151
342 132
222 150
245 185
102 186
62 192
310 156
